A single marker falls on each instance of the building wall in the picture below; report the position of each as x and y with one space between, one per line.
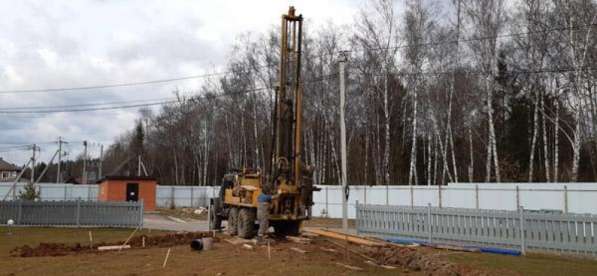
8 175
115 190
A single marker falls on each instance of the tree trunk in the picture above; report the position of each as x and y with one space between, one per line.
387 148
545 141
534 137
413 152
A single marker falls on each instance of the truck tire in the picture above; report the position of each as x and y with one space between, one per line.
246 223
233 221
287 228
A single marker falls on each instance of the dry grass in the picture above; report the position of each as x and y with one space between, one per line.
234 260
532 264
225 258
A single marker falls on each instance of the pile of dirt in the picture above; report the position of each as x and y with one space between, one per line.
49 249
61 249
418 260
168 239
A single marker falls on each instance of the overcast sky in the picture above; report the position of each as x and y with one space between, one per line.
57 44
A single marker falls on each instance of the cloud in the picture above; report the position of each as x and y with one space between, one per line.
50 44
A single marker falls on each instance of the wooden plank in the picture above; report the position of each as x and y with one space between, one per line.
355 268
299 240
295 249
309 235
237 241
113 247
345 237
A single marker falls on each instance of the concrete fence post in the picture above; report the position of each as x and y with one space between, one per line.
522 231
439 196
365 193
412 196
565 199
517 197
172 199
476 196
20 211
356 216
327 206
78 212
141 207
387 194
192 195
65 191
429 238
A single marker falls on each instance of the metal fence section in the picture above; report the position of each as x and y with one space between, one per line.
166 196
567 233
185 196
565 197
72 213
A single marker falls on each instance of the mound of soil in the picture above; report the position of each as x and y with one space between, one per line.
417 259
61 249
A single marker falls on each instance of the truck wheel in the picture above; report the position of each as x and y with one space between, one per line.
288 228
246 223
233 221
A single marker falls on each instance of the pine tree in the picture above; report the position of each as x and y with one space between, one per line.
29 192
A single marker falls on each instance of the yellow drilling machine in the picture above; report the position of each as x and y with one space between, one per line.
288 181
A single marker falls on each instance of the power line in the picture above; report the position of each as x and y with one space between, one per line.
480 72
75 108
103 86
47 111
437 43
86 104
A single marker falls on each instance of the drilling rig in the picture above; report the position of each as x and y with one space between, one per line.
288 180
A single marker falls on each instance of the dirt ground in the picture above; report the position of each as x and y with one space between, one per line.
322 258
182 260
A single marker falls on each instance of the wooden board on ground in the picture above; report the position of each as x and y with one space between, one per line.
113 247
237 241
298 250
355 268
309 235
345 237
298 240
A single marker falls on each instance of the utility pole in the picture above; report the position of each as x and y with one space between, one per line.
101 161
59 172
33 164
139 165
343 60
84 176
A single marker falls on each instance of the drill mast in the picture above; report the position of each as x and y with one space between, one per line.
288 110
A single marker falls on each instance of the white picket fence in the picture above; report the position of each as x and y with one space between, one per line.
565 197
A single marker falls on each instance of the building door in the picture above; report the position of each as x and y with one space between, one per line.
132 192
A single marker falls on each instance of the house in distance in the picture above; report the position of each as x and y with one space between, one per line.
8 171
